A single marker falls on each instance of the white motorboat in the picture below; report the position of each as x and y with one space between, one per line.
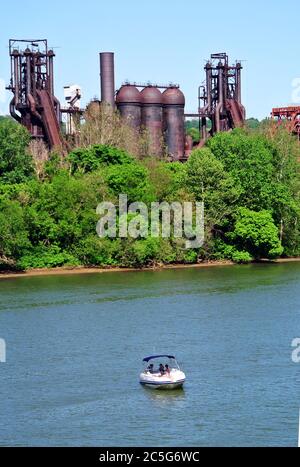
163 376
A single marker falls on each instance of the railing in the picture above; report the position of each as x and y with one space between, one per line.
148 84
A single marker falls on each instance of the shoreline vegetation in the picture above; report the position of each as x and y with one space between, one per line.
248 181
62 271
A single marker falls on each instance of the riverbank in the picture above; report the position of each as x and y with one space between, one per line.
95 270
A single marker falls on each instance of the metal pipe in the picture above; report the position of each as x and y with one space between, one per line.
238 83
28 73
203 123
107 78
208 85
218 117
220 86
16 78
12 110
32 105
57 108
50 71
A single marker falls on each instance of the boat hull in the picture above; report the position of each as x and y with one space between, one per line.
174 380
163 386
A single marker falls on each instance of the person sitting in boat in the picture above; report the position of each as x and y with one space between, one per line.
151 368
167 370
161 369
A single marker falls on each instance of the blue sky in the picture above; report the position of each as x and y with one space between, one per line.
164 41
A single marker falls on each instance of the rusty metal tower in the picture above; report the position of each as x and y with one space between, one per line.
220 96
32 83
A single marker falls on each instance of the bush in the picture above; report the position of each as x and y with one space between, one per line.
241 256
90 159
95 251
47 257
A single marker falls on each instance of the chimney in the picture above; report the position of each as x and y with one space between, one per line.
107 78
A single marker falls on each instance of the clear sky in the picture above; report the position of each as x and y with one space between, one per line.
163 41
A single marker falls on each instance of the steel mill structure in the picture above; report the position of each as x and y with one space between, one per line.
159 110
289 115
220 96
34 104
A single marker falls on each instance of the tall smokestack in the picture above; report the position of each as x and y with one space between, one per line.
107 78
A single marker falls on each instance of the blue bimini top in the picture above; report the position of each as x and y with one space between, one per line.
153 357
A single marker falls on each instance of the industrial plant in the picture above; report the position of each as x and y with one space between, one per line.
290 116
157 109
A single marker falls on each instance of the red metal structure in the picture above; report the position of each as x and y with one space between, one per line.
221 96
290 115
32 83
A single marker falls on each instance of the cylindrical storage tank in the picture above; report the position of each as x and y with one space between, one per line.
107 78
173 116
151 99
128 102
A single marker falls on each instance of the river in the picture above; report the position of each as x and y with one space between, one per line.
74 346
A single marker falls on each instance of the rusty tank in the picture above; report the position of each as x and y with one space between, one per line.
151 99
173 117
128 102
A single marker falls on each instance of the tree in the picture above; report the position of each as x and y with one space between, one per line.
252 123
90 159
104 127
255 233
15 161
131 180
286 155
208 180
194 133
13 232
249 161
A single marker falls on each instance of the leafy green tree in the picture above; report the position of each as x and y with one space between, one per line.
194 133
47 256
167 180
207 179
129 179
252 123
53 165
265 166
286 203
63 211
256 233
13 233
15 161
94 251
249 161
90 159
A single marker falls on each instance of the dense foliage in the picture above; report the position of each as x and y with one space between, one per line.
15 162
248 179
